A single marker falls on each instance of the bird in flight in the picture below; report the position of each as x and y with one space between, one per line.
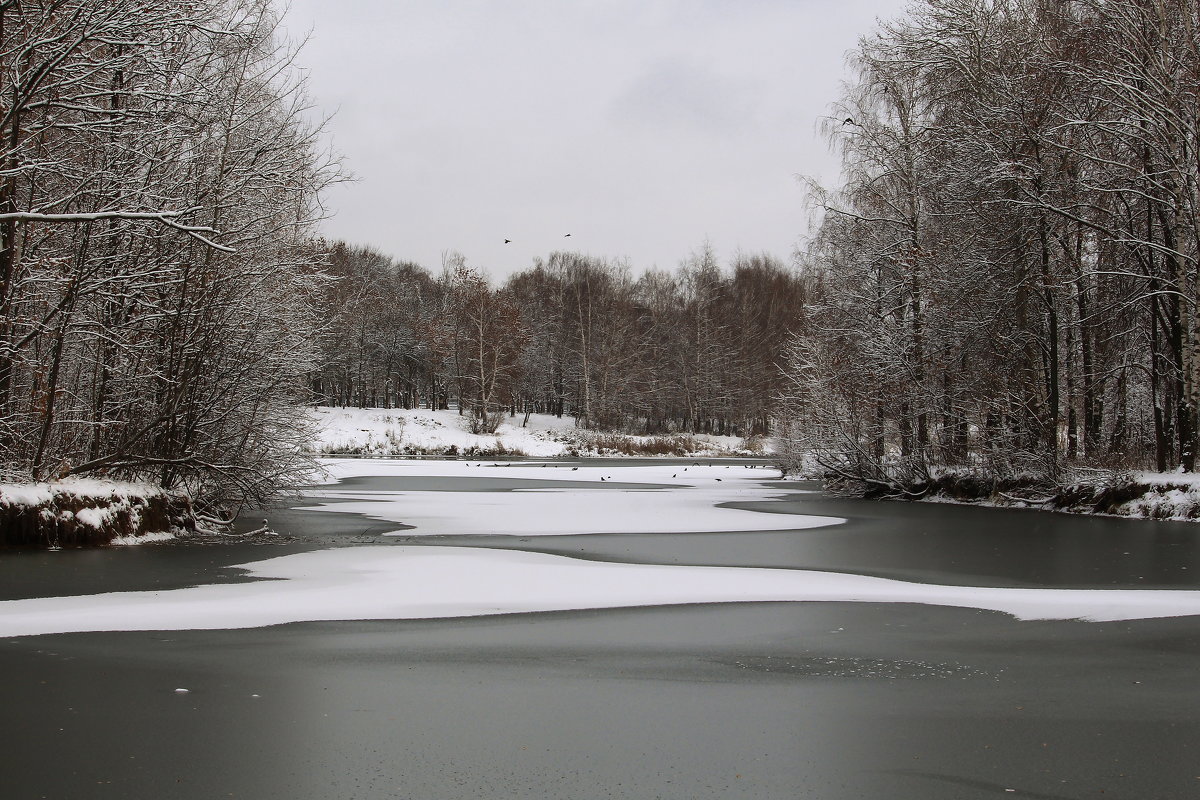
506 241
565 235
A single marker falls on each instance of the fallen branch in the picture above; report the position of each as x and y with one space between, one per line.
265 530
215 520
1018 499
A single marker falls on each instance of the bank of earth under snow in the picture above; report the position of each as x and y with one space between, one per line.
1146 495
89 512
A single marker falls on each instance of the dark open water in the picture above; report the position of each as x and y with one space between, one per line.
782 700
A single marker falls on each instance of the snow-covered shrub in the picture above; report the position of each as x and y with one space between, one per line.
486 423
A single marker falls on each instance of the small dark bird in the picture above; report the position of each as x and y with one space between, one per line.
507 241
566 235
718 480
574 468
849 121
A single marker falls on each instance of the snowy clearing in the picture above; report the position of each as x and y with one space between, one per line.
676 499
398 431
401 582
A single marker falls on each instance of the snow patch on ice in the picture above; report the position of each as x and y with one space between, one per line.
675 499
399 582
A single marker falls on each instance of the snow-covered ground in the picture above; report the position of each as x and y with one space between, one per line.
34 494
397 431
658 499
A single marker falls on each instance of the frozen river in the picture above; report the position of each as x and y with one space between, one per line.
610 630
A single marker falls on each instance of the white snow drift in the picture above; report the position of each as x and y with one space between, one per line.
403 582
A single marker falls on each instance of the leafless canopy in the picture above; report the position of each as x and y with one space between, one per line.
158 183
1010 268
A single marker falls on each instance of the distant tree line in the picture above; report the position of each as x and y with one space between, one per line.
1007 280
693 350
157 191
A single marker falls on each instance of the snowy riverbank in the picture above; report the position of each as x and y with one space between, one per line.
89 512
421 431
1143 495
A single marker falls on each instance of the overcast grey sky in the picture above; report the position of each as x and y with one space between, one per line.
640 127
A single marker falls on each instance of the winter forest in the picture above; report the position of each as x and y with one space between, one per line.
1005 281
695 350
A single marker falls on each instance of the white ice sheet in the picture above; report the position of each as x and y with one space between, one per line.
399 582
688 504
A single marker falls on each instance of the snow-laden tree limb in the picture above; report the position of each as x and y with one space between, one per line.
164 217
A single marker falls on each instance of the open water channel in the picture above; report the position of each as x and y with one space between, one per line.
822 700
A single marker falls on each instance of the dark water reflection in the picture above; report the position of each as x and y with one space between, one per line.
1016 545
643 703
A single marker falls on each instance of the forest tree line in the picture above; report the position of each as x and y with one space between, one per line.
157 279
694 350
1007 280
